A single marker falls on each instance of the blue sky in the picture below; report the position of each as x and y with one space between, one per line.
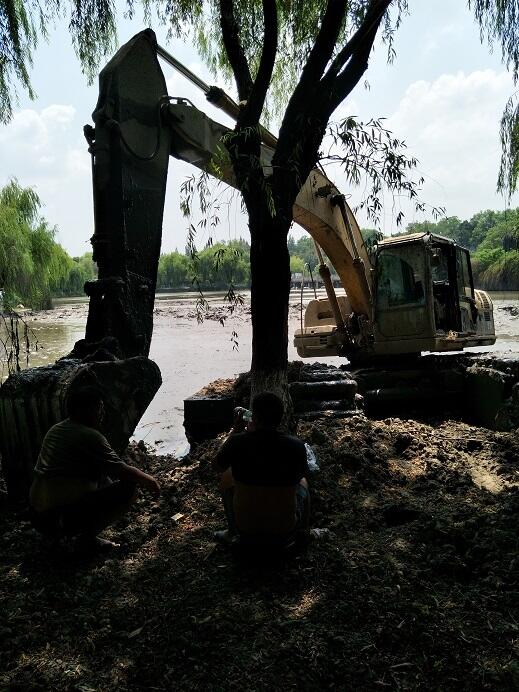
443 94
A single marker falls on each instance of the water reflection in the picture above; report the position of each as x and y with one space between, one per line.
53 340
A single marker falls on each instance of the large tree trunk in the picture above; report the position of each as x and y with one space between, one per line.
270 288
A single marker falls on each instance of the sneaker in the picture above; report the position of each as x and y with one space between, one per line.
319 534
225 537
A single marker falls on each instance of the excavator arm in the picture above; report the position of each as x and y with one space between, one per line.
137 127
319 208
397 307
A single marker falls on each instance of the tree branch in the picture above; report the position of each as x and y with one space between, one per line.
322 49
305 91
351 74
303 99
234 49
261 84
372 19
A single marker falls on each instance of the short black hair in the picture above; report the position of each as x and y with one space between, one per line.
268 409
82 399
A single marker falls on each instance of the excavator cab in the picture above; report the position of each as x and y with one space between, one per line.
425 298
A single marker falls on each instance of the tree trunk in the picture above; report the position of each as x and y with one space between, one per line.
270 288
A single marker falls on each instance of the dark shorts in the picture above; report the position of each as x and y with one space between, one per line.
302 512
89 515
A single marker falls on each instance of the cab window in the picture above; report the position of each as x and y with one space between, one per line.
465 286
399 283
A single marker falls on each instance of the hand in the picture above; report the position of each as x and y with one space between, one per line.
239 424
151 484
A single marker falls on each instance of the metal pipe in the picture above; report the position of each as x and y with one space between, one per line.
179 67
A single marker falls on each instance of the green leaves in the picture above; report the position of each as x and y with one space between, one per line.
32 265
372 155
93 30
492 237
18 38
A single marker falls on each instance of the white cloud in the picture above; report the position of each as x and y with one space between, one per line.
43 150
58 114
33 140
27 131
452 125
441 38
78 161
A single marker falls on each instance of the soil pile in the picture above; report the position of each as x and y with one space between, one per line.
417 585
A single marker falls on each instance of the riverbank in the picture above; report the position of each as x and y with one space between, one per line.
182 305
416 587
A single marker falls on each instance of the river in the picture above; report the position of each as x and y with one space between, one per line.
192 354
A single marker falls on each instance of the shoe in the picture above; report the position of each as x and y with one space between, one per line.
225 537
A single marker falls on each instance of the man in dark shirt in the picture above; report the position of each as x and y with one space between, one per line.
72 493
263 482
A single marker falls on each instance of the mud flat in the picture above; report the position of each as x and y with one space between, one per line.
190 354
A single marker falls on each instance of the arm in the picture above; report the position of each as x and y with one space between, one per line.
109 462
222 460
135 475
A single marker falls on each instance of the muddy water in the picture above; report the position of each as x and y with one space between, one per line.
190 354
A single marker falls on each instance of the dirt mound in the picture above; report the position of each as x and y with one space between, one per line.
416 586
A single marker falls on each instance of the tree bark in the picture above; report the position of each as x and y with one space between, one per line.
270 288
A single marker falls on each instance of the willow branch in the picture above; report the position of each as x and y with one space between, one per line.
266 66
234 49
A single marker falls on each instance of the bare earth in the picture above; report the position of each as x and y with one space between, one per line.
417 586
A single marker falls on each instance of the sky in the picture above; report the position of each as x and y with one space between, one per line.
443 94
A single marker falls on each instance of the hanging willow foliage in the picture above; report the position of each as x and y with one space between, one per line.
32 264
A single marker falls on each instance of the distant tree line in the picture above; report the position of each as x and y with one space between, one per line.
493 240
215 267
33 266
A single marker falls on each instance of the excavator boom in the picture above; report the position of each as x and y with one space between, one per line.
197 139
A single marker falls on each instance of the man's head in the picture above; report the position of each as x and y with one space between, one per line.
267 410
85 405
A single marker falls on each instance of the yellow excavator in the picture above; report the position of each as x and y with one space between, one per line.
409 294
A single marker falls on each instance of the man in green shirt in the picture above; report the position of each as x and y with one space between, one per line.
80 485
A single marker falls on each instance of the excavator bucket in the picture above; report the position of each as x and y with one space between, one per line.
130 150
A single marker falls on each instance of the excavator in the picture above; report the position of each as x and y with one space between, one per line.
411 294
408 295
